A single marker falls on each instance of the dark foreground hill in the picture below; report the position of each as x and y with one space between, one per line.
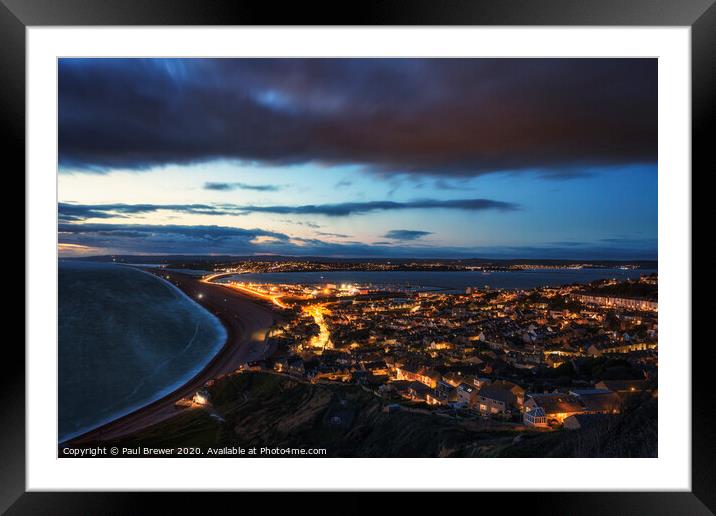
268 410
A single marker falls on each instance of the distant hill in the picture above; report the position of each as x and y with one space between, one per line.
218 259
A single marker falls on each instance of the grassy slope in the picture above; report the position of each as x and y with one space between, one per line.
269 410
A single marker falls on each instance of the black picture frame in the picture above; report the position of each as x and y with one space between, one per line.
700 15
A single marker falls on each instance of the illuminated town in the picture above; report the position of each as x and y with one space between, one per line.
513 356
272 264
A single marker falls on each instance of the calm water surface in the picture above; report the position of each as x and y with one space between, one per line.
126 338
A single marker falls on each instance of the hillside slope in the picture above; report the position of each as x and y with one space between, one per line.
269 410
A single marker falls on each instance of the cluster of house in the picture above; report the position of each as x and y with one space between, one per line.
496 398
397 345
527 330
504 398
618 302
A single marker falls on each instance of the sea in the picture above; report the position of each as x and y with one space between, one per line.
447 281
126 338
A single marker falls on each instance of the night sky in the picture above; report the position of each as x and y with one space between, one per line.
454 158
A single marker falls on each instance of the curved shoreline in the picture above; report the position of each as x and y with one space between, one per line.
172 286
234 310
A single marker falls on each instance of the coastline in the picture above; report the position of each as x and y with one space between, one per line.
243 320
447 281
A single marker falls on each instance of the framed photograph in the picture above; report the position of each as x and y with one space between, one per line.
418 250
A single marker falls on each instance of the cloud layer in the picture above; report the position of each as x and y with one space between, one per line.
405 234
225 187
101 238
449 117
69 212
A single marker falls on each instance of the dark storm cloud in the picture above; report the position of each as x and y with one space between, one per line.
450 117
78 212
225 187
405 234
